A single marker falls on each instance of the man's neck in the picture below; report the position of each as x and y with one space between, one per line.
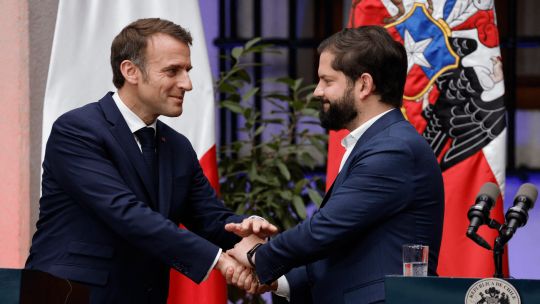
367 114
131 101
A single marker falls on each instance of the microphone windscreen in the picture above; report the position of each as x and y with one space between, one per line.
491 190
529 191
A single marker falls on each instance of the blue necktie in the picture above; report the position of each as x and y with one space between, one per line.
147 140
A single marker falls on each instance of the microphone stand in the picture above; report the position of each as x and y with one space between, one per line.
498 247
498 251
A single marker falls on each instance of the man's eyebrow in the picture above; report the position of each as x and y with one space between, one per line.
177 66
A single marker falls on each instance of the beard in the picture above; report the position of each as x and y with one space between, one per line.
340 113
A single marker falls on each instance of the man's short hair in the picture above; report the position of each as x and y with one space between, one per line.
370 49
130 44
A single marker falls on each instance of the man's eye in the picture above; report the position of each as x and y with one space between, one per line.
170 72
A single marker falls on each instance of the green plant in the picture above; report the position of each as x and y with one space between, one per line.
267 177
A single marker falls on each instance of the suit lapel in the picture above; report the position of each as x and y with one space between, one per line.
127 143
165 160
381 124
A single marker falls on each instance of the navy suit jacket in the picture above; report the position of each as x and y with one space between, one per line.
98 224
388 193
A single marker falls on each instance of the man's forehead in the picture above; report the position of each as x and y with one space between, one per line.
161 40
326 57
325 63
168 50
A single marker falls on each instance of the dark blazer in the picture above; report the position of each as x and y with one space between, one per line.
389 193
98 224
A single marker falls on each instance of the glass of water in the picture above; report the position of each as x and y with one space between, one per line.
415 260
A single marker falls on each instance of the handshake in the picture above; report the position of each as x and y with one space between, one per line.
234 264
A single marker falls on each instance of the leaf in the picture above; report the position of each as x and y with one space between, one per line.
227 88
297 105
247 112
253 171
297 84
299 206
279 96
309 88
283 170
240 209
250 93
252 42
259 130
259 48
307 160
232 106
310 112
237 52
286 195
315 197
318 143
243 75
300 185
286 80
277 104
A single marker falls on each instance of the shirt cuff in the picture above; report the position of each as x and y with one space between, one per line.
283 289
213 265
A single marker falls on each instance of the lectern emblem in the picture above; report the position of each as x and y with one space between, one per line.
492 291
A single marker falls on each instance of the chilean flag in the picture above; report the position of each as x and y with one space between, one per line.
454 98
79 72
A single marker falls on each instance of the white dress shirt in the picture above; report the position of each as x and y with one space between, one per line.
348 142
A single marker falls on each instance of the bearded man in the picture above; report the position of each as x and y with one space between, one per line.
389 191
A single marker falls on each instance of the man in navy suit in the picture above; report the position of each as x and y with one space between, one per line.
117 182
389 190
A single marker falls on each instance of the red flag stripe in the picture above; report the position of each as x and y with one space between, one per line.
214 289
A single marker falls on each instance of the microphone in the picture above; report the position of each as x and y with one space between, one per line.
518 215
479 212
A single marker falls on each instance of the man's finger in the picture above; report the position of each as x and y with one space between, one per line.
251 284
237 271
257 226
229 274
242 279
230 227
246 225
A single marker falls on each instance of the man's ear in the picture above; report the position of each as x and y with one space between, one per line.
130 71
364 85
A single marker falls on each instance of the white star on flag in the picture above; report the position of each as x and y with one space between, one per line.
415 51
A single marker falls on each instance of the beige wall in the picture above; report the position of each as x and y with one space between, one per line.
14 130
25 41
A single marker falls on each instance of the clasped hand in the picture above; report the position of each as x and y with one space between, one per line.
234 264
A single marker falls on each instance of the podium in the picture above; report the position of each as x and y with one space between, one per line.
400 289
22 286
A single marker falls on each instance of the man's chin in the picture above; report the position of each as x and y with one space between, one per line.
174 113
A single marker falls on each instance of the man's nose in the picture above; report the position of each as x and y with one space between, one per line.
318 92
184 82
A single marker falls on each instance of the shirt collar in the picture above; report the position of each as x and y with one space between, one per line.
133 121
350 140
